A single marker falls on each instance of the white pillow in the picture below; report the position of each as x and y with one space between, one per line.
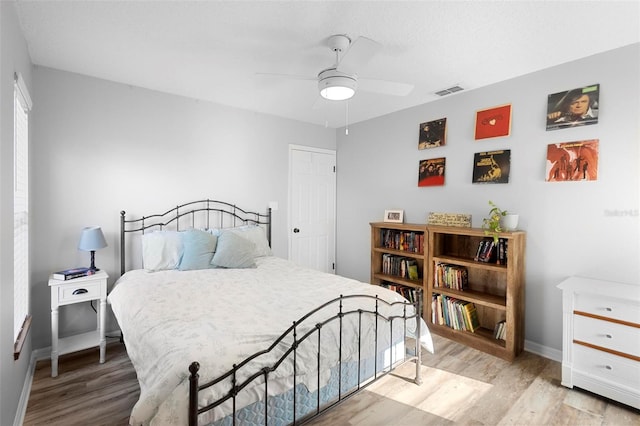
161 250
256 234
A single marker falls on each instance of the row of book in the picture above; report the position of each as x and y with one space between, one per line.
451 276
400 266
402 240
492 251
409 293
500 331
454 313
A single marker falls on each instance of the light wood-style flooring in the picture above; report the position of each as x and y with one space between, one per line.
462 386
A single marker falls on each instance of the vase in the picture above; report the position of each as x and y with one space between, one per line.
510 222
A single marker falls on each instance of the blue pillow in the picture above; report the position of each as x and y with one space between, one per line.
233 251
199 247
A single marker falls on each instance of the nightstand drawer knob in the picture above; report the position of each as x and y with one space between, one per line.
608 309
80 291
608 336
608 367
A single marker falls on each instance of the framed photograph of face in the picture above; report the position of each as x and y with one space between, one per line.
432 134
576 107
493 122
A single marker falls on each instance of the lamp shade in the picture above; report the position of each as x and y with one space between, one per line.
92 239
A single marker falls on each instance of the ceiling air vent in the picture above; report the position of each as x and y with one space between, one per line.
450 90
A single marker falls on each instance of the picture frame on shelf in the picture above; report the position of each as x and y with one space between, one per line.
432 134
575 107
394 216
493 122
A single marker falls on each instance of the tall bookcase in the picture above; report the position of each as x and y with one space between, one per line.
496 290
398 241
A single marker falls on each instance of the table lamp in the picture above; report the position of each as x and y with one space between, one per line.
91 240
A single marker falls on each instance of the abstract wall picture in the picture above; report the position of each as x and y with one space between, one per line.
432 134
577 107
431 172
572 161
492 166
493 122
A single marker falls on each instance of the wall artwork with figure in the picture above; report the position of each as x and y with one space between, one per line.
492 166
431 172
432 134
493 122
572 161
576 107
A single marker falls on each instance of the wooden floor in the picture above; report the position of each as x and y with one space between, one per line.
462 386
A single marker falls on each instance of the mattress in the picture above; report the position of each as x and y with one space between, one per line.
218 317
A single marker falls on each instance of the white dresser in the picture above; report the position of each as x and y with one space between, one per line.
601 338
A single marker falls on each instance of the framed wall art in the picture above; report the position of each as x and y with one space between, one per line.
492 166
431 172
576 107
572 161
394 216
493 122
432 134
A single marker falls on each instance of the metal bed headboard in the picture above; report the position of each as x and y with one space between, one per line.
202 213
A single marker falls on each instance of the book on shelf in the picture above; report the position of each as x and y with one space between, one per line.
451 276
395 239
500 330
487 250
69 274
454 313
400 266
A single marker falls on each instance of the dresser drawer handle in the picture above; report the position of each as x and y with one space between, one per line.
608 336
608 367
608 309
80 291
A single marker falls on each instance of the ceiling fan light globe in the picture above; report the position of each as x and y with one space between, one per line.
337 93
335 86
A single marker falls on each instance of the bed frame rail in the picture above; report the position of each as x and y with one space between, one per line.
202 213
315 331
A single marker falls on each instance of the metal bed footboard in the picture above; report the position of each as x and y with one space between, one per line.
235 387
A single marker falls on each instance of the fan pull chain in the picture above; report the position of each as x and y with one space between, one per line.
346 129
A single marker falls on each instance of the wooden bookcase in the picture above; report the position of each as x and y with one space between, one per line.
496 290
378 252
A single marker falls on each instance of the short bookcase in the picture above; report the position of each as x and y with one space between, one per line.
496 290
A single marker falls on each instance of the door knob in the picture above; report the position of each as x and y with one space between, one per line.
296 230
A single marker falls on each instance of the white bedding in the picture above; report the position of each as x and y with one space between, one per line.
220 316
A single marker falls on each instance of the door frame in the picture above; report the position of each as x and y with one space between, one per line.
333 152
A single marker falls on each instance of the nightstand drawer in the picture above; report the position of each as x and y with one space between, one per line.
612 368
618 337
624 310
78 292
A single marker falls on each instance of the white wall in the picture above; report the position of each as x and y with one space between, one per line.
570 226
14 57
102 147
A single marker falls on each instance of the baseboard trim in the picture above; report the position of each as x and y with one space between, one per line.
544 351
36 355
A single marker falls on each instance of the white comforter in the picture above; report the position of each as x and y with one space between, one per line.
218 317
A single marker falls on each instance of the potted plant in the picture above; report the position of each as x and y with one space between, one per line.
498 221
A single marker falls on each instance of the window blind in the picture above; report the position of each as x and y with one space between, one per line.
22 105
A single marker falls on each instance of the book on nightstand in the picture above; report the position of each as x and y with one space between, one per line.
69 274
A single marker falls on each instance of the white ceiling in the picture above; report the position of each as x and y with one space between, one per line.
212 50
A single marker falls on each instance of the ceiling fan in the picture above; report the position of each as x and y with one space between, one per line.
341 81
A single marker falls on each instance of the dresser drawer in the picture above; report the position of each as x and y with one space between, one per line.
602 365
86 290
623 310
610 335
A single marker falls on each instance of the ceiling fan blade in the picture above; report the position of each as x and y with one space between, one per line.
384 87
359 53
286 76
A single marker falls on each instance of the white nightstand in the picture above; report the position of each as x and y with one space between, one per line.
93 287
